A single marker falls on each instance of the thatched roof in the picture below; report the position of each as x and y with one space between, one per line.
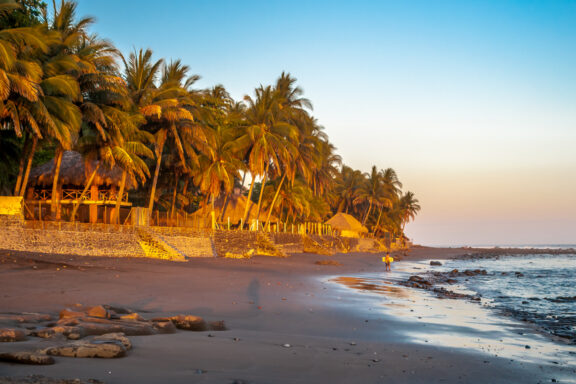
345 222
73 172
234 210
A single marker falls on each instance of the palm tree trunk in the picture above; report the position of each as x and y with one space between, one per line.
379 216
155 181
86 188
248 201
185 191
172 209
274 200
367 213
119 197
224 207
28 166
54 211
212 213
21 169
262 191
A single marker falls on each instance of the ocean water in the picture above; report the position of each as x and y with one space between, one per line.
517 246
540 289
517 317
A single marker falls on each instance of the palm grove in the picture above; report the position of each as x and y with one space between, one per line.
61 88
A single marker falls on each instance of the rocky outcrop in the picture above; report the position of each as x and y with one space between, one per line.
12 335
31 358
91 332
103 350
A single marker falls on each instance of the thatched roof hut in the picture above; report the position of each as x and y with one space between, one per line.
234 209
347 225
73 171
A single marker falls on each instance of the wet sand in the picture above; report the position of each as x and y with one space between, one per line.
267 303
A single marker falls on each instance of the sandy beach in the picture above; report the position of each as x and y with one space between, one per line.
287 323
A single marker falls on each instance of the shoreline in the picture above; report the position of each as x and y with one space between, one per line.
266 303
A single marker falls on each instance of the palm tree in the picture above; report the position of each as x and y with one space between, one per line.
392 186
408 208
219 160
347 186
268 138
20 74
68 68
294 111
164 106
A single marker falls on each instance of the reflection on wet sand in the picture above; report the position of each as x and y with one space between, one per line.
458 323
376 285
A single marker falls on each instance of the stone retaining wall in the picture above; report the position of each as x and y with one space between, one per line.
235 242
189 242
126 241
12 206
91 241
288 242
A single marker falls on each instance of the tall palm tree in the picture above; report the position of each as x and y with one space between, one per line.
219 159
164 106
268 138
392 188
20 75
408 208
348 184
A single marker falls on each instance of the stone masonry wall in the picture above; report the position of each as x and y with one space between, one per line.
125 241
11 206
189 242
288 242
86 240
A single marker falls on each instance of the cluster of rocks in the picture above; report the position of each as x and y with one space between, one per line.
40 379
560 326
433 279
99 331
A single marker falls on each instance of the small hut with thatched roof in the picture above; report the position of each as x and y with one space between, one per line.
231 210
96 204
346 225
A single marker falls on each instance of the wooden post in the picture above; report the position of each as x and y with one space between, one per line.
94 205
39 210
228 222
157 218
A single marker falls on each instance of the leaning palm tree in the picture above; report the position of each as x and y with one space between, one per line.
67 68
408 208
268 138
20 75
218 161
347 183
371 192
164 106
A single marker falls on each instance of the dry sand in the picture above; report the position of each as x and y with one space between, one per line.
266 303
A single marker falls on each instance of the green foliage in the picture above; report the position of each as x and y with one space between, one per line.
28 13
10 152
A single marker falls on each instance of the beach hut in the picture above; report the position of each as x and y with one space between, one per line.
98 204
346 225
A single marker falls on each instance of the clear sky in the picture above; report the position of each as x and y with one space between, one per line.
473 103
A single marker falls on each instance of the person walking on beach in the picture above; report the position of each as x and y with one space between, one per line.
388 261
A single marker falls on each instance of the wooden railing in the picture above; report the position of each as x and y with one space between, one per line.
76 194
